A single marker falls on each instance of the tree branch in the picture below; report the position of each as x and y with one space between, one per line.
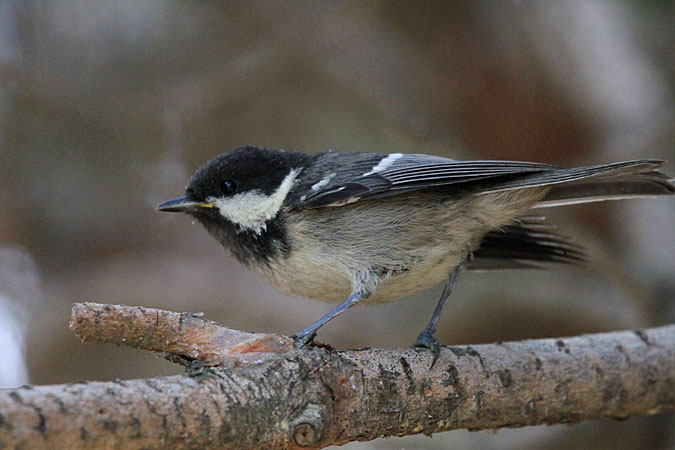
265 392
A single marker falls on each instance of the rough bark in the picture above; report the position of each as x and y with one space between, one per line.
265 392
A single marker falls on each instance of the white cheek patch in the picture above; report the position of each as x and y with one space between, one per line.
253 209
384 163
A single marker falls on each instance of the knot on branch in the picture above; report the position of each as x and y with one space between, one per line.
308 426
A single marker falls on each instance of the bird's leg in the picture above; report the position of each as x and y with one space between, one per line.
306 336
426 338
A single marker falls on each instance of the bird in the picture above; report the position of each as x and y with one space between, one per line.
353 227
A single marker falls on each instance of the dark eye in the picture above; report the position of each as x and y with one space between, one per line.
228 187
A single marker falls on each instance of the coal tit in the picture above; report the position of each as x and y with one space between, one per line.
351 227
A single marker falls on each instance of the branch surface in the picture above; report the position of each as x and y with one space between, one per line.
263 392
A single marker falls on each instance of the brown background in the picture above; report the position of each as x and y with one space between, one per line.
106 109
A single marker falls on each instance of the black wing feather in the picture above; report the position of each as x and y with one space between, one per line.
368 176
410 173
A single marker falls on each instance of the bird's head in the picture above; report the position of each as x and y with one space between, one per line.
239 192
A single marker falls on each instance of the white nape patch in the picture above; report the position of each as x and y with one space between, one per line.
323 182
384 163
253 209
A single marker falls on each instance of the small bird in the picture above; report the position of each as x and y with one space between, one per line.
351 227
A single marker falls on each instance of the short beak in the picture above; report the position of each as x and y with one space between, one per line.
182 204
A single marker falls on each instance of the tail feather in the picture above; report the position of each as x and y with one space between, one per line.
640 179
529 242
630 179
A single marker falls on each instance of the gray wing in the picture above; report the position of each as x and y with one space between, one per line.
369 175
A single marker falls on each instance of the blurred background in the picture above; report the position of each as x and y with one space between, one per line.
107 108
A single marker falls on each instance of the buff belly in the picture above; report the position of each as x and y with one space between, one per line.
325 280
413 243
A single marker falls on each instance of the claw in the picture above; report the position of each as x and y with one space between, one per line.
303 339
427 340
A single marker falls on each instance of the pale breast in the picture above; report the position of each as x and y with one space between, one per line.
409 242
